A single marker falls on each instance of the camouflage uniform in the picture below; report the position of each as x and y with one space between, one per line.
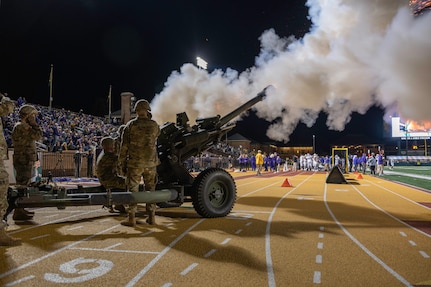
138 154
6 107
24 136
107 166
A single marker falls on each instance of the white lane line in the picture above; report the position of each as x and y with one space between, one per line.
320 245
226 241
402 196
356 241
188 269
169 284
40 236
319 259
76 227
321 235
403 234
322 228
114 250
20 281
113 246
248 223
412 243
387 213
209 253
54 221
269 265
257 190
161 254
317 277
238 231
37 260
147 233
424 254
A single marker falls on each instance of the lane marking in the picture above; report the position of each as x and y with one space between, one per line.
320 245
269 264
412 243
226 241
357 242
112 246
321 235
40 236
114 250
319 259
402 196
167 284
161 254
317 277
390 215
74 228
147 233
189 268
54 221
238 231
209 253
37 260
20 281
403 234
424 254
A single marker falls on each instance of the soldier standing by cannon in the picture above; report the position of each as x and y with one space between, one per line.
6 107
138 157
24 136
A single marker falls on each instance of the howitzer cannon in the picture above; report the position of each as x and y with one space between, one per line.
212 191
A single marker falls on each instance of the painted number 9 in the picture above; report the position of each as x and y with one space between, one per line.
103 267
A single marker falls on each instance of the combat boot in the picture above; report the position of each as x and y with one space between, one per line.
6 240
151 211
130 220
21 214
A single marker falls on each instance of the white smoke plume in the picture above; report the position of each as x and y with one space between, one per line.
357 54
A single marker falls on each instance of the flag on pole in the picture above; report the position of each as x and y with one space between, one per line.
50 85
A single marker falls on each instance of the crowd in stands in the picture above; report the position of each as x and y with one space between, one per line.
63 129
68 130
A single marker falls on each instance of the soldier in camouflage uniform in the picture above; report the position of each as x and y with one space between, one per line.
107 169
6 107
107 165
24 136
138 157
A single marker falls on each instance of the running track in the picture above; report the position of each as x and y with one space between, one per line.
369 232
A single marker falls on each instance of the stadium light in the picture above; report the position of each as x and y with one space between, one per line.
201 63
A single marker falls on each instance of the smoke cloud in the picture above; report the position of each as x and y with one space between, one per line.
357 54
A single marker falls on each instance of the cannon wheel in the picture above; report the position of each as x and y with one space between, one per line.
214 193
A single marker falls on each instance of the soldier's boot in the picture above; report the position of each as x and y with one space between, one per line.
6 240
21 214
151 211
120 208
130 220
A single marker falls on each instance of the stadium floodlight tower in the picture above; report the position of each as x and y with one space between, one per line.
201 63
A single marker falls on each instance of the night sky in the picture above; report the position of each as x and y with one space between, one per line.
135 45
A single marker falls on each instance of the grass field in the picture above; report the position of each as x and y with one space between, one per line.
410 180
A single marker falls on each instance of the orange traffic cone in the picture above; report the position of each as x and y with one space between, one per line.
286 183
359 176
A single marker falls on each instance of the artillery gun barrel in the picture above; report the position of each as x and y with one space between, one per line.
244 107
